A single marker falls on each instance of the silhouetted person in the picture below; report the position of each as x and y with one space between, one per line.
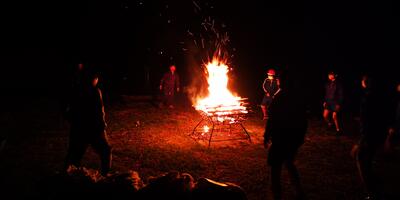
284 134
169 83
87 119
373 129
333 101
76 83
394 130
271 88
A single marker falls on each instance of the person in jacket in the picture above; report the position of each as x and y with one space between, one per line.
271 88
333 102
169 83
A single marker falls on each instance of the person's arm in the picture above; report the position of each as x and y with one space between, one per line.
264 87
279 87
101 109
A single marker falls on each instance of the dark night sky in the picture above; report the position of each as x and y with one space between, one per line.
43 41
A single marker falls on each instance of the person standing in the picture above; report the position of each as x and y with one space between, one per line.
333 101
373 128
394 130
271 88
87 124
284 134
169 83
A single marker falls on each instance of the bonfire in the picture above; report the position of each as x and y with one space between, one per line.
221 107
220 104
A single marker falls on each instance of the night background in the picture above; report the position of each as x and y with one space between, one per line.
129 40
132 43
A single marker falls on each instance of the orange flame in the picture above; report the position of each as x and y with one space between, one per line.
220 102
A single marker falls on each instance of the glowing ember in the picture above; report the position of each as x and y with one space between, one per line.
220 102
206 129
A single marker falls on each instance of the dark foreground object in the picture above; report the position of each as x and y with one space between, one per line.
81 182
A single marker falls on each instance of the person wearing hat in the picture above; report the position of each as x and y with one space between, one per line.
333 101
271 88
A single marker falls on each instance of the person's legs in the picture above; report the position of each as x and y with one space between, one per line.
336 121
276 170
164 98
264 111
76 149
266 101
275 161
169 100
364 164
295 178
164 101
326 116
101 146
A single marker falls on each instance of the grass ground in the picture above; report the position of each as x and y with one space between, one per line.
152 141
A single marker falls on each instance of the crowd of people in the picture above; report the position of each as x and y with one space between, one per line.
283 110
287 124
